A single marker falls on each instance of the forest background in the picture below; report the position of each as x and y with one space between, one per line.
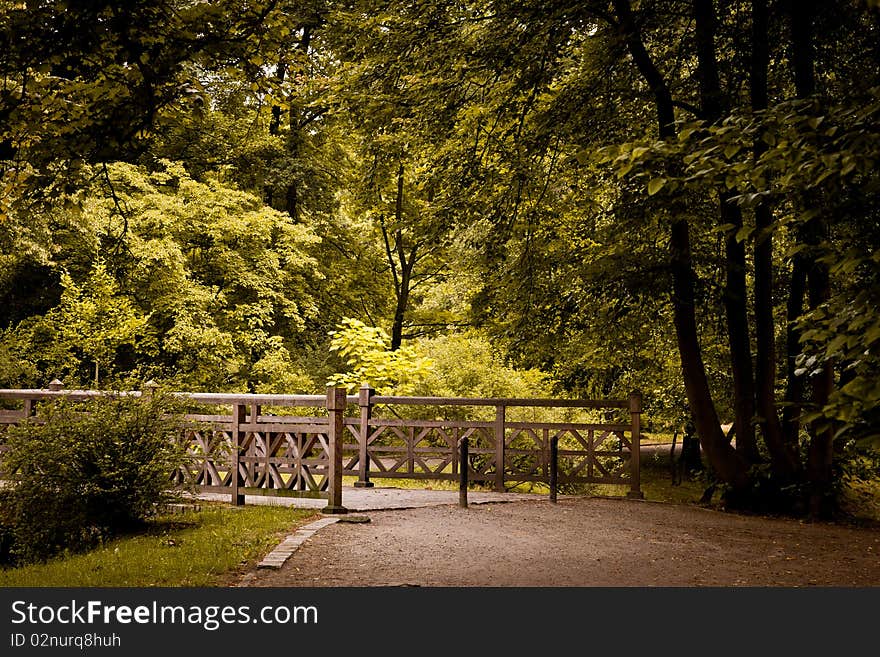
460 198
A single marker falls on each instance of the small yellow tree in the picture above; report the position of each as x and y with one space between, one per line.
94 320
367 352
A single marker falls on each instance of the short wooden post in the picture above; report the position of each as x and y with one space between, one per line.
238 415
149 388
554 467
55 385
499 448
365 402
251 466
463 473
30 407
635 411
335 436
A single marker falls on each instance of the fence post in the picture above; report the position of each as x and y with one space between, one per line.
365 402
499 448
635 411
238 413
336 400
554 467
55 385
254 420
463 473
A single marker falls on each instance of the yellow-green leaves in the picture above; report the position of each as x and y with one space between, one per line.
367 353
655 185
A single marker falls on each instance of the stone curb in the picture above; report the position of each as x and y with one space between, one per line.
276 558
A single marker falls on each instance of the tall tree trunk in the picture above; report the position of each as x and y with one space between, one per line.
721 456
401 264
725 461
402 298
736 307
274 129
291 195
794 394
275 121
294 145
819 454
403 288
783 455
714 105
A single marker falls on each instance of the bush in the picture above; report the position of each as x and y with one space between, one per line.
87 471
6 532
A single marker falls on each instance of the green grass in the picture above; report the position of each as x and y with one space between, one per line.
195 548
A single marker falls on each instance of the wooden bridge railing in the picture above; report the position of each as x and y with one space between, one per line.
247 450
502 452
240 450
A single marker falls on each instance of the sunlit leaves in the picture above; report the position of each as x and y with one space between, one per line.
369 360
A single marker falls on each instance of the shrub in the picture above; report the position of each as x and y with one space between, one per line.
89 470
6 532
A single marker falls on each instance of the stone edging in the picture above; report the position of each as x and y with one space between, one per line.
276 558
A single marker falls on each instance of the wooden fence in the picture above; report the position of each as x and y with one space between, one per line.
237 447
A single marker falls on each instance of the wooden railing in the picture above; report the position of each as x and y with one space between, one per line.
502 452
243 450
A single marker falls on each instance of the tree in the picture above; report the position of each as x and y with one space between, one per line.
216 285
97 320
715 141
371 361
540 68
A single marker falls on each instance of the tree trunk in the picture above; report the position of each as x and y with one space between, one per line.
794 394
714 103
402 298
784 461
399 261
275 121
736 307
721 456
783 453
291 195
727 463
820 453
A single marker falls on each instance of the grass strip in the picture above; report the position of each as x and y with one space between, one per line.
209 547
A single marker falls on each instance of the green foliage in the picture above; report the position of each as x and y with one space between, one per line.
95 82
817 162
88 470
80 338
367 353
466 365
302 163
275 372
15 372
199 281
93 322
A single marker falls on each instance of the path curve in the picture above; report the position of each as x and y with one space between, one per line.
585 542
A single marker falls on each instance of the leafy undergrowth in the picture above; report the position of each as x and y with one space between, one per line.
208 547
861 500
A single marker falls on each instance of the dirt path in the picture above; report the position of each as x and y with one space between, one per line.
587 542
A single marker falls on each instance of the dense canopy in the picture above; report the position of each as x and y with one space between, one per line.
534 198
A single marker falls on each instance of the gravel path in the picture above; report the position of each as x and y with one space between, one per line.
583 542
